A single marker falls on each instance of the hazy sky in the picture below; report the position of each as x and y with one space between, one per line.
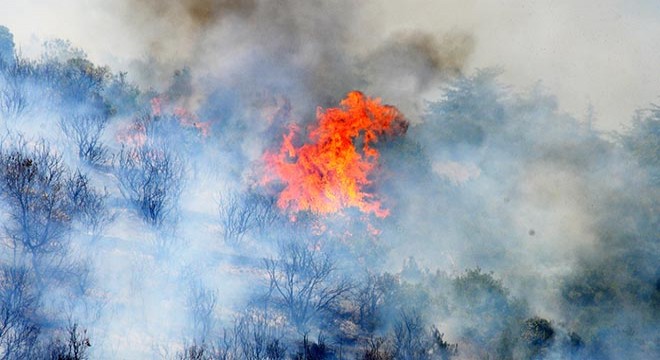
603 52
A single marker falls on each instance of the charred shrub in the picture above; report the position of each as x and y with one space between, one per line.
304 283
13 98
377 348
33 186
43 198
310 350
199 352
84 132
88 203
72 345
151 179
201 304
19 328
241 213
413 340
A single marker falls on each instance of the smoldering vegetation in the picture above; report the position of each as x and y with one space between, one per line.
135 224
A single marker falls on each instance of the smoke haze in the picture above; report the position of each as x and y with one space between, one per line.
507 208
599 53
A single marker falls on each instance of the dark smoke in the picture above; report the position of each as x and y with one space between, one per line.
409 64
420 56
310 51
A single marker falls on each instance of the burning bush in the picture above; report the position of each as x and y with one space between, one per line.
333 170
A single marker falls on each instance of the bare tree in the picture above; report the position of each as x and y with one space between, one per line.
74 346
201 351
13 101
151 179
18 302
368 298
409 337
194 352
242 212
257 339
412 341
252 337
13 87
303 282
236 216
201 305
43 199
310 350
377 348
85 131
32 183
228 347
88 203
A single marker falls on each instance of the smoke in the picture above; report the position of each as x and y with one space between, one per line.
310 51
519 188
197 14
586 53
174 30
487 176
409 64
249 41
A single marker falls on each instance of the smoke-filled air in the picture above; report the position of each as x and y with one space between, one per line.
325 180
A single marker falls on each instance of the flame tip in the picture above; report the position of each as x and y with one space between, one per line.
329 173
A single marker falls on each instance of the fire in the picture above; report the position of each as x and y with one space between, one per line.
333 169
188 119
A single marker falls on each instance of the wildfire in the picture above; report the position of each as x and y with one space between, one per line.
188 119
332 170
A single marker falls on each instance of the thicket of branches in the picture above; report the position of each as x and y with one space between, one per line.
310 305
304 282
84 132
44 197
151 179
242 213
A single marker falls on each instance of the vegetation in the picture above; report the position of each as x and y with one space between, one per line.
506 265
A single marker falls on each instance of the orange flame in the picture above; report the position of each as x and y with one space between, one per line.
188 119
333 170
